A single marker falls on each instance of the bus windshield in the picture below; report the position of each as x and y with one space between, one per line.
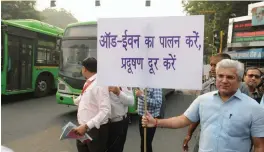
73 52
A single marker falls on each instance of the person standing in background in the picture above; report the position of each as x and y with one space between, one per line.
154 102
252 79
121 98
94 110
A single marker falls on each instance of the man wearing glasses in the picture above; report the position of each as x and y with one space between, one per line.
253 78
230 120
209 86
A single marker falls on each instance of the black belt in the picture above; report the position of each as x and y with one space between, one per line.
117 119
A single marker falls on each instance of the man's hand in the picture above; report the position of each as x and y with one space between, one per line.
139 93
81 130
75 101
115 90
185 146
148 120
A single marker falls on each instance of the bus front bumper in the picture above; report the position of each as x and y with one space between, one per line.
66 99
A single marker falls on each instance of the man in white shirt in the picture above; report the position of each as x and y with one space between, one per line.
94 110
121 98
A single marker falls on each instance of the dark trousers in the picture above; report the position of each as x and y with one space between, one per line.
117 135
99 142
150 136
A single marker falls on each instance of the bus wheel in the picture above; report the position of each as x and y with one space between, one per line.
43 86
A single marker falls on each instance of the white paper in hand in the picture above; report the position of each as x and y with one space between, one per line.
67 133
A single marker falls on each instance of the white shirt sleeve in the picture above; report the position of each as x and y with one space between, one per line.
126 96
101 94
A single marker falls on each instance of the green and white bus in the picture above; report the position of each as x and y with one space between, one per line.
78 42
29 57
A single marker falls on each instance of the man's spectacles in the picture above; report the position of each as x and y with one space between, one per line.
253 75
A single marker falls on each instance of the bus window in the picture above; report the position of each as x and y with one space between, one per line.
82 31
46 52
73 52
93 53
53 56
41 55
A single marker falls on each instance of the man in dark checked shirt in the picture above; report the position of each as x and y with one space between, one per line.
154 102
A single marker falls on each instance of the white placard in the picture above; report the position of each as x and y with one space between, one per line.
126 52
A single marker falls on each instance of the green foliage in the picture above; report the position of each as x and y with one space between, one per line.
60 18
217 14
26 10
19 10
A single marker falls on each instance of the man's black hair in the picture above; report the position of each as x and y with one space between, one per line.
90 64
253 68
223 56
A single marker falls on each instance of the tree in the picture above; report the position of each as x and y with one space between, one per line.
60 18
26 10
19 10
217 16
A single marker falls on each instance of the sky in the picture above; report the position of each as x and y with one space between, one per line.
85 10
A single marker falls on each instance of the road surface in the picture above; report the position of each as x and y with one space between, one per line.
34 125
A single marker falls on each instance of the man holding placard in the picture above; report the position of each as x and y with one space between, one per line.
229 119
209 86
153 98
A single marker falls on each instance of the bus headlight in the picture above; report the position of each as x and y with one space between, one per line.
63 87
